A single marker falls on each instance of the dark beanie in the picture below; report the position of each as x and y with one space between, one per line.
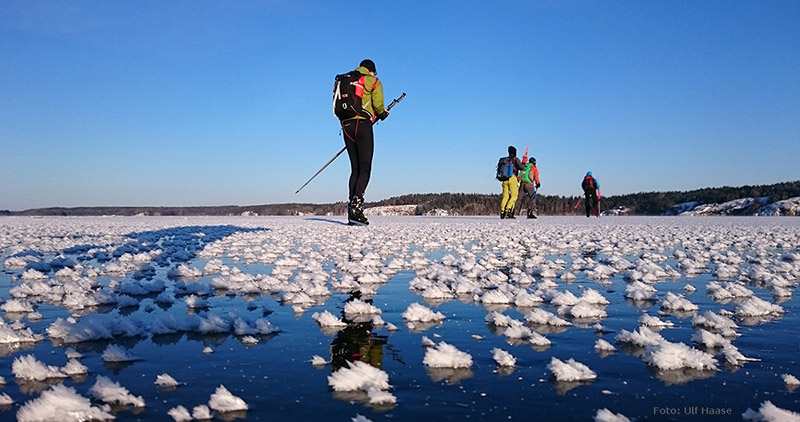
369 64
512 151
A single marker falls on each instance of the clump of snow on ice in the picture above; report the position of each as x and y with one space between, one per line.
586 310
594 297
445 355
503 358
196 302
224 401
6 400
498 320
327 319
517 330
15 263
185 271
27 367
111 392
605 415
718 323
62 403
34 275
72 331
562 298
713 340
114 353
755 307
72 353
421 313
674 302
265 327
74 367
709 339
380 397
166 380
643 337
768 412
9 335
667 355
640 291
357 376
790 379
361 376
359 307
542 317
570 370
201 412
603 346
654 322
14 305
249 340
496 297
180 414
725 291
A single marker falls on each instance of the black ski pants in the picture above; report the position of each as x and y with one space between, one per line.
360 143
590 199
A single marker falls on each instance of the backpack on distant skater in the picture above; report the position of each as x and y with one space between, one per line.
505 169
526 175
348 89
588 183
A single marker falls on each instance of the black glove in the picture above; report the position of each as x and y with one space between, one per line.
538 185
383 115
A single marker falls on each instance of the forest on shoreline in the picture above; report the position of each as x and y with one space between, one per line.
644 203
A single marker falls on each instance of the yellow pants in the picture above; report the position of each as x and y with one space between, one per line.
510 193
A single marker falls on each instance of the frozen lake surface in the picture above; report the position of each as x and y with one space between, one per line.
411 318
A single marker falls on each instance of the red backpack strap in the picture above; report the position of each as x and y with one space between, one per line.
360 87
363 80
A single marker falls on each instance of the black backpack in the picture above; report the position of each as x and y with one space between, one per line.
588 183
505 169
347 93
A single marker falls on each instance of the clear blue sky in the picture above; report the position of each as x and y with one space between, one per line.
170 103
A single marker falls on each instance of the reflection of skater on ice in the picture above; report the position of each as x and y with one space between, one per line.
356 342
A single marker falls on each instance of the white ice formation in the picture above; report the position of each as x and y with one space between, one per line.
162 276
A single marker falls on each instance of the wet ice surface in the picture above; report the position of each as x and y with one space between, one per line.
260 318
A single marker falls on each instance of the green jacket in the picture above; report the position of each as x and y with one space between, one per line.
372 101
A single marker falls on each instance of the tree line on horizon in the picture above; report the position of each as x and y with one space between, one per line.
644 203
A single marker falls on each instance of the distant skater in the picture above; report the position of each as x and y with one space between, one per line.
529 183
591 194
507 170
359 139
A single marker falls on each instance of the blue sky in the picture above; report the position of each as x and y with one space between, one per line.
169 103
